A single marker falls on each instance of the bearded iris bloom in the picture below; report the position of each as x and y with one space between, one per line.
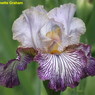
52 39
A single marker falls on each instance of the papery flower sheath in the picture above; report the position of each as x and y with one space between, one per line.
52 39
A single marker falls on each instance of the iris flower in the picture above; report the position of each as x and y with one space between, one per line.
52 39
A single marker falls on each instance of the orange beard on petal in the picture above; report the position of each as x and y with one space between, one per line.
55 35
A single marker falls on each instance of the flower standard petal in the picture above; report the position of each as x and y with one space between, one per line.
26 28
8 71
73 27
77 28
63 14
54 29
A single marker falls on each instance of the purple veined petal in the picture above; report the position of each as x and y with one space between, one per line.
25 56
8 74
63 70
85 48
8 71
90 68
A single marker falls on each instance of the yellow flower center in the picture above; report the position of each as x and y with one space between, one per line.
55 35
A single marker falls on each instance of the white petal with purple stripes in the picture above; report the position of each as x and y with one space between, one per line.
62 70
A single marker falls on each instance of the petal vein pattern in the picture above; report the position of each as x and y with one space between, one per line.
8 71
62 70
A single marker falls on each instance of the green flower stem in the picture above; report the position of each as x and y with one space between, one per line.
80 90
49 91
82 87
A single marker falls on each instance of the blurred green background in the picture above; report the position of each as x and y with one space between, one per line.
30 83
